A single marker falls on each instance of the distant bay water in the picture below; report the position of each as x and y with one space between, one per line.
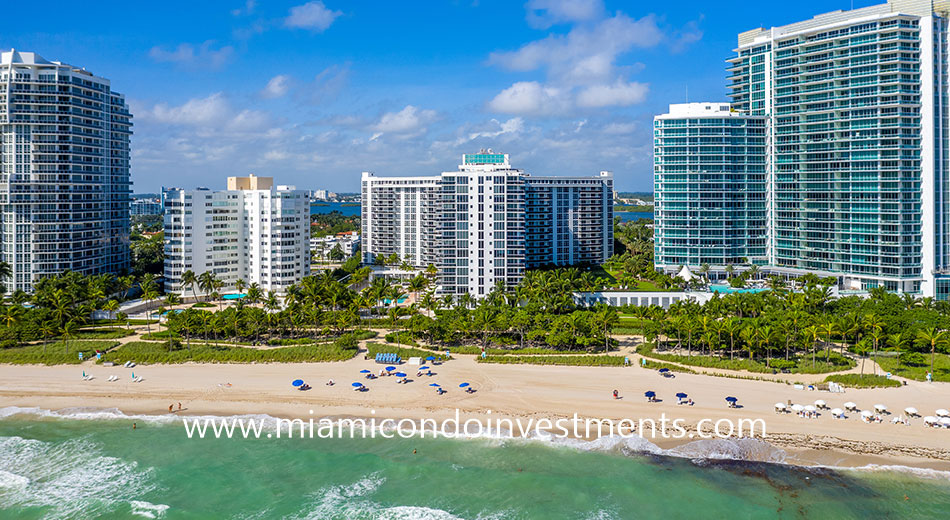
349 209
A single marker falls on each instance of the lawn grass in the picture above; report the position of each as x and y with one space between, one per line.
862 381
580 361
55 353
918 371
102 333
160 353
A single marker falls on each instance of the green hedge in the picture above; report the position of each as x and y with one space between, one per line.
865 381
56 353
102 333
403 338
656 365
534 351
156 353
584 361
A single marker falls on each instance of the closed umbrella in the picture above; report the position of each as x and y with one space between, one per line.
297 382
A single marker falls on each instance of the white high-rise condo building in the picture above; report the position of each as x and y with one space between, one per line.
857 144
64 170
253 231
485 223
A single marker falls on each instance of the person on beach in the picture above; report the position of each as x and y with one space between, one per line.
616 395
170 407
179 407
133 426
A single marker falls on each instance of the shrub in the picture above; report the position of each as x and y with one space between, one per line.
403 338
341 349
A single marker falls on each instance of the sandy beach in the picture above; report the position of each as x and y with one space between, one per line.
515 391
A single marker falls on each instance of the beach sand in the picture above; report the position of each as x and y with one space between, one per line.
514 391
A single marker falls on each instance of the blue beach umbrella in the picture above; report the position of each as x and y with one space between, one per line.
423 368
357 385
390 369
732 399
364 371
434 384
430 358
681 395
400 374
649 393
664 370
463 385
297 382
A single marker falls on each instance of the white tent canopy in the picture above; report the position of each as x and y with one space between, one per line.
686 275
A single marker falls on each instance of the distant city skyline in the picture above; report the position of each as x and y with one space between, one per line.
317 92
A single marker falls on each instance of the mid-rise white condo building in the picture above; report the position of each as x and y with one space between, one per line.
64 170
253 231
485 223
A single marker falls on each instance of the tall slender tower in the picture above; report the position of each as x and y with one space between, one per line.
64 170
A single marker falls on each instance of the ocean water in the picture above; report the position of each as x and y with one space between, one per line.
93 465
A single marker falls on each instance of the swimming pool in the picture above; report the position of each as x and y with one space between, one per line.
727 289
387 301
240 296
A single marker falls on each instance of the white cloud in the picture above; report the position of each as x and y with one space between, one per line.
204 55
619 94
313 16
587 53
248 8
213 112
276 87
406 120
528 98
545 13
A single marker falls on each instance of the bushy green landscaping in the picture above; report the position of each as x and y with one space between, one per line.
56 353
915 366
656 365
799 365
175 352
581 361
101 333
862 381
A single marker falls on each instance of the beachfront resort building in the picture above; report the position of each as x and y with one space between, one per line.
254 231
64 171
857 153
486 222
710 204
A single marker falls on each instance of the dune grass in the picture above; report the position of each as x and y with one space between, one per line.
55 353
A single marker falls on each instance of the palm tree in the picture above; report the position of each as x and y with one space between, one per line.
12 316
931 337
111 306
149 294
897 340
188 279
68 330
206 282
606 318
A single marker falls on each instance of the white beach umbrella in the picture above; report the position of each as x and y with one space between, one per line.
797 407
942 413
880 407
867 413
850 406
930 419
837 412
779 406
910 410
820 403
810 408
945 421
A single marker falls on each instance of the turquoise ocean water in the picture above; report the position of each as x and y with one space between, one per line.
98 467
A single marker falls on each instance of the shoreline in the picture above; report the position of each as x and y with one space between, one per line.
509 391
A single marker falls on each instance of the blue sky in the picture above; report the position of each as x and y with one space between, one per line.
313 93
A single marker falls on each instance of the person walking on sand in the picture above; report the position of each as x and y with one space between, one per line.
179 407
616 394
170 407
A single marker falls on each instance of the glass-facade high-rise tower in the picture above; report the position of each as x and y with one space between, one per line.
709 191
64 170
857 152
